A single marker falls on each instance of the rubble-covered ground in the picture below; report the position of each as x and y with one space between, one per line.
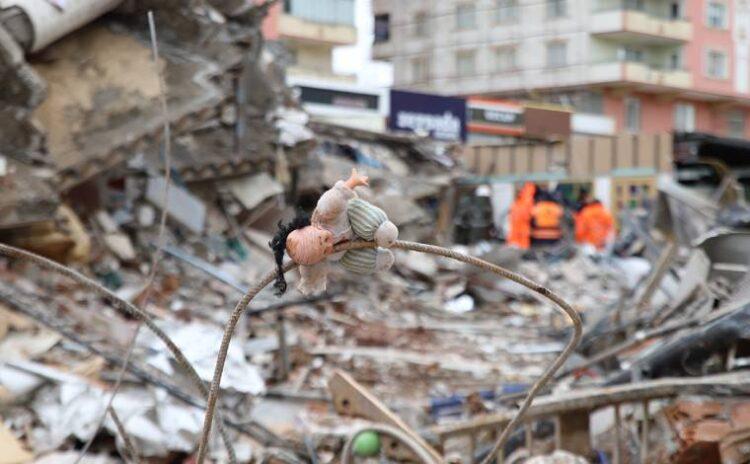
441 350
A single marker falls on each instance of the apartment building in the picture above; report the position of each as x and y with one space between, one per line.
649 65
310 30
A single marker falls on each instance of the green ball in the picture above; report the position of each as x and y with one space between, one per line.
367 444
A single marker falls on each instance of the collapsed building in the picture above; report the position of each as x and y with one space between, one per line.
436 349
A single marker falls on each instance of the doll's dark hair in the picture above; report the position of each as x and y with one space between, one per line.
278 245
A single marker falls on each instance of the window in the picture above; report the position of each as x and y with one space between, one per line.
556 8
556 54
505 58
675 61
635 5
716 64
420 69
675 10
629 53
716 15
382 28
465 63
590 102
507 11
466 16
736 124
684 117
632 114
420 24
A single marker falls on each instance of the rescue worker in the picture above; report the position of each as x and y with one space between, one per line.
584 198
594 225
546 220
519 234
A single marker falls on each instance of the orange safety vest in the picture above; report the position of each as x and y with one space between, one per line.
546 221
594 225
520 218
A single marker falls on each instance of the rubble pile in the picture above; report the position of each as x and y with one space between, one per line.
440 350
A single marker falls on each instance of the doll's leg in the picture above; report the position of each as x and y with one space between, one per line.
313 278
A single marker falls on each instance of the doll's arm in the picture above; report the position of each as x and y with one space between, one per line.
332 204
355 180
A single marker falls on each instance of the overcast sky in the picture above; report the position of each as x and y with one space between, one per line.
356 59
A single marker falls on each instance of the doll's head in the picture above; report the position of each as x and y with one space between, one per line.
309 245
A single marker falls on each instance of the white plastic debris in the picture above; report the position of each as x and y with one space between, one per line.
200 344
460 305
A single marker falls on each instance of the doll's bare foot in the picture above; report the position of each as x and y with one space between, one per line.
355 180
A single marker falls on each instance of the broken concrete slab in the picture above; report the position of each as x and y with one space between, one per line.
251 191
182 206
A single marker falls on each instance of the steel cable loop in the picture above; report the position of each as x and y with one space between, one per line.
412 444
423 248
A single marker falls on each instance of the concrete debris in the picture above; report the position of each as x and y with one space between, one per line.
181 206
251 191
558 457
435 347
241 375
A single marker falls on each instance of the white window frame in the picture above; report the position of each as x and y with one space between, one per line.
548 58
469 72
680 61
638 115
553 12
509 49
707 66
472 23
724 19
734 116
689 111
508 11
421 19
423 63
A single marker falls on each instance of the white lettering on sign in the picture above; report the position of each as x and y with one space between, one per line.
443 126
500 116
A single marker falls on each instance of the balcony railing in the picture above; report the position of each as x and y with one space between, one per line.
642 73
334 12
614 21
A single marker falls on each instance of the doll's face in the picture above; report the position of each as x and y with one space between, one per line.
309 245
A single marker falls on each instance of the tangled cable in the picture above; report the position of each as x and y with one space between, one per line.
422 248
122 306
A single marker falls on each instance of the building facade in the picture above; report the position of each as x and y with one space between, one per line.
310 31
649 65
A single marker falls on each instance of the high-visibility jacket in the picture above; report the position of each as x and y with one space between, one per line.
520 218
546 221
594 225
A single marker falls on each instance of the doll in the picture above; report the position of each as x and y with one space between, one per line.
339 215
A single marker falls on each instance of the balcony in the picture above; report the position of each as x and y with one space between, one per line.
641 73
645 74
324 21
640 27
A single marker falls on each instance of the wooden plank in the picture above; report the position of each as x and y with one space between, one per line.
645 431
594 398
618 436
654 280
352 399
573 430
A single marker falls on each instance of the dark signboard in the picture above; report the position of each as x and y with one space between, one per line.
507 118
339 98
442 118
547 123
496 116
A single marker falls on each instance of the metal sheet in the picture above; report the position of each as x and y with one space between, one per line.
53 20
